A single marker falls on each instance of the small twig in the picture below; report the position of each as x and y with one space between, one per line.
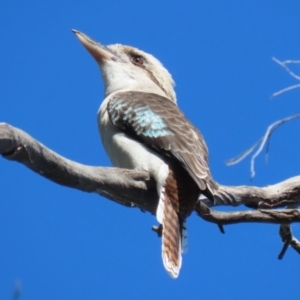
289 61
284 65
221 227
292 87
287 237
283 251
260 144
243 155
265 139
249 216
158 230
295 244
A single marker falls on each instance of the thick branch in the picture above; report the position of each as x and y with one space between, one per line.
254 216
135 188
281 194
127 187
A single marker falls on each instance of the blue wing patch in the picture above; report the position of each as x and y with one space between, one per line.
139 117
158 123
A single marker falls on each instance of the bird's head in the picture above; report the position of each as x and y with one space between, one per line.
128 68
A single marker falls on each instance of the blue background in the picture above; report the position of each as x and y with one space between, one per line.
59 243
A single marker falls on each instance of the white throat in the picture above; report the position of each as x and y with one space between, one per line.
118 77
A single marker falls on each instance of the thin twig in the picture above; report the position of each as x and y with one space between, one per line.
289 61
287 237
260 144
270 130
292 87
284 65
243 155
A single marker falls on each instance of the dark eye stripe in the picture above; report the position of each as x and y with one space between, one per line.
133 57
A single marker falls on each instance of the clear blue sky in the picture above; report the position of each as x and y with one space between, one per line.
65 244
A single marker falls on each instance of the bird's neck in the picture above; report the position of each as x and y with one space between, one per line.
109 90
121 80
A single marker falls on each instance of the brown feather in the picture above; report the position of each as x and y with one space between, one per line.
184 141
180 196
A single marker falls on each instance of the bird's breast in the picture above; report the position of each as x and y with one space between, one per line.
126 152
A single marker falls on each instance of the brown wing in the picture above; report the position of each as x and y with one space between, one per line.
158 123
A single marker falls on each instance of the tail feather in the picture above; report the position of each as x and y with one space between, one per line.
178 195
171 239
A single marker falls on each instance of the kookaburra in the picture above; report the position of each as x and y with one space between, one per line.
141 127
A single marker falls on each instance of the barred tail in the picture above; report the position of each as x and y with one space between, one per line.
177 198
171 239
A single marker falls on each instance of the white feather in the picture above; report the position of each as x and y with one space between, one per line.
161 178
173 270
160 206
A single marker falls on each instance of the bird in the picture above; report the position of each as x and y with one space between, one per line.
142 127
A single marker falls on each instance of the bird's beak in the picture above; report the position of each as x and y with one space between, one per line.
97 50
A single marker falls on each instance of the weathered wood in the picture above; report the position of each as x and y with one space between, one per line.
128 187
135 188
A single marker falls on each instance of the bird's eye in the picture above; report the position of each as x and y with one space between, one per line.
137 60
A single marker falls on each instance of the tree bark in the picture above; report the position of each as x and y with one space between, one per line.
135 188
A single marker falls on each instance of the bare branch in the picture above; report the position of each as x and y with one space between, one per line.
135 188
254 216
285 230
278 195
262 216
292 87
266 138
241 156
260 144
290 61
284 65
119 185
288 239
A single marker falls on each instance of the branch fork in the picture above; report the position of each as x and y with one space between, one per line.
135 188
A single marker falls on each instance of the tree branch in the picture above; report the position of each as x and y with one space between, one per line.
127 187
260 144
284 65
254 216
263 141
135 188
